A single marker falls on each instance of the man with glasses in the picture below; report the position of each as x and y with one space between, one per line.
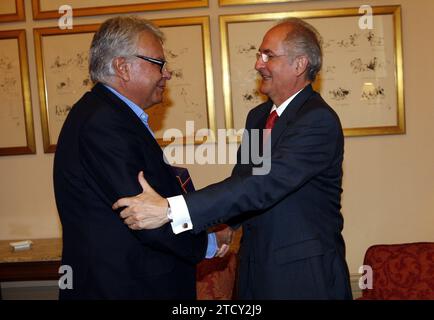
292 246
104 142
161 63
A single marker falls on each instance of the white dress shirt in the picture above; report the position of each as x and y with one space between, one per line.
181 220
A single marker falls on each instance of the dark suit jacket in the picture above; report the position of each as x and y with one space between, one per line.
101 148
292 247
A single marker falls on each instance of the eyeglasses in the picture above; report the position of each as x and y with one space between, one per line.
266 57
161 63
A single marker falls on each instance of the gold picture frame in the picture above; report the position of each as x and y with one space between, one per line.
362 74
16 117
12 10
244 2
191 89
63 77
67 79
48 9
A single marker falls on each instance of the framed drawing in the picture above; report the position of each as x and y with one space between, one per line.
361 77
63 77
240 2
62 65
189 101
46 9
12 10
16 119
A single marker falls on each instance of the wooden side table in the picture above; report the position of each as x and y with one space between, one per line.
40 262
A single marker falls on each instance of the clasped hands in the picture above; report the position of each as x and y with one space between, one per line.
224 236
148 210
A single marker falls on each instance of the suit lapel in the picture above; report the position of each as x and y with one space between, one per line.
261 116
114 102
289 114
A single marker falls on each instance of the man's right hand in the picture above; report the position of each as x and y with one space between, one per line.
224 239
147 210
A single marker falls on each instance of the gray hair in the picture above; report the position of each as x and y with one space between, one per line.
116 37
304 39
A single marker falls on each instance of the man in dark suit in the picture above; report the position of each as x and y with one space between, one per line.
104 142
292 247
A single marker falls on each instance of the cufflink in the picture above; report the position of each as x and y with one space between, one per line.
185 225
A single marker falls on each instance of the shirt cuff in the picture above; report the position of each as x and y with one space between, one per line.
211 250
181 220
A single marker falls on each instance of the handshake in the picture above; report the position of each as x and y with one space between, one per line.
224 235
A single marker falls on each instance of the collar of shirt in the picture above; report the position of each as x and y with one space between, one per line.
143 116
283 106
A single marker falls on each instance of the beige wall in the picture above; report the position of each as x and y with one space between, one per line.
389 180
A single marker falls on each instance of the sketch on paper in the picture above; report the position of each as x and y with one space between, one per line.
64 67
184 98
247 49
357 57
374 40
359 65
65 71
6 64
175 53
14 131
352 58
78 61
180 84
178 74
339 94
65 59
370 93
62 110
10 90
349 42
253 96
353 41
329 69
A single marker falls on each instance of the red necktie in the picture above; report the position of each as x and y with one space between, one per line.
271 120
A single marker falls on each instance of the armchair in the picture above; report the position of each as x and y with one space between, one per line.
401 271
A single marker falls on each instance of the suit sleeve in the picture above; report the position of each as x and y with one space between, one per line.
305 149
112 155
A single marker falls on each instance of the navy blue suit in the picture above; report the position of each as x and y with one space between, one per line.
292 247
101 148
